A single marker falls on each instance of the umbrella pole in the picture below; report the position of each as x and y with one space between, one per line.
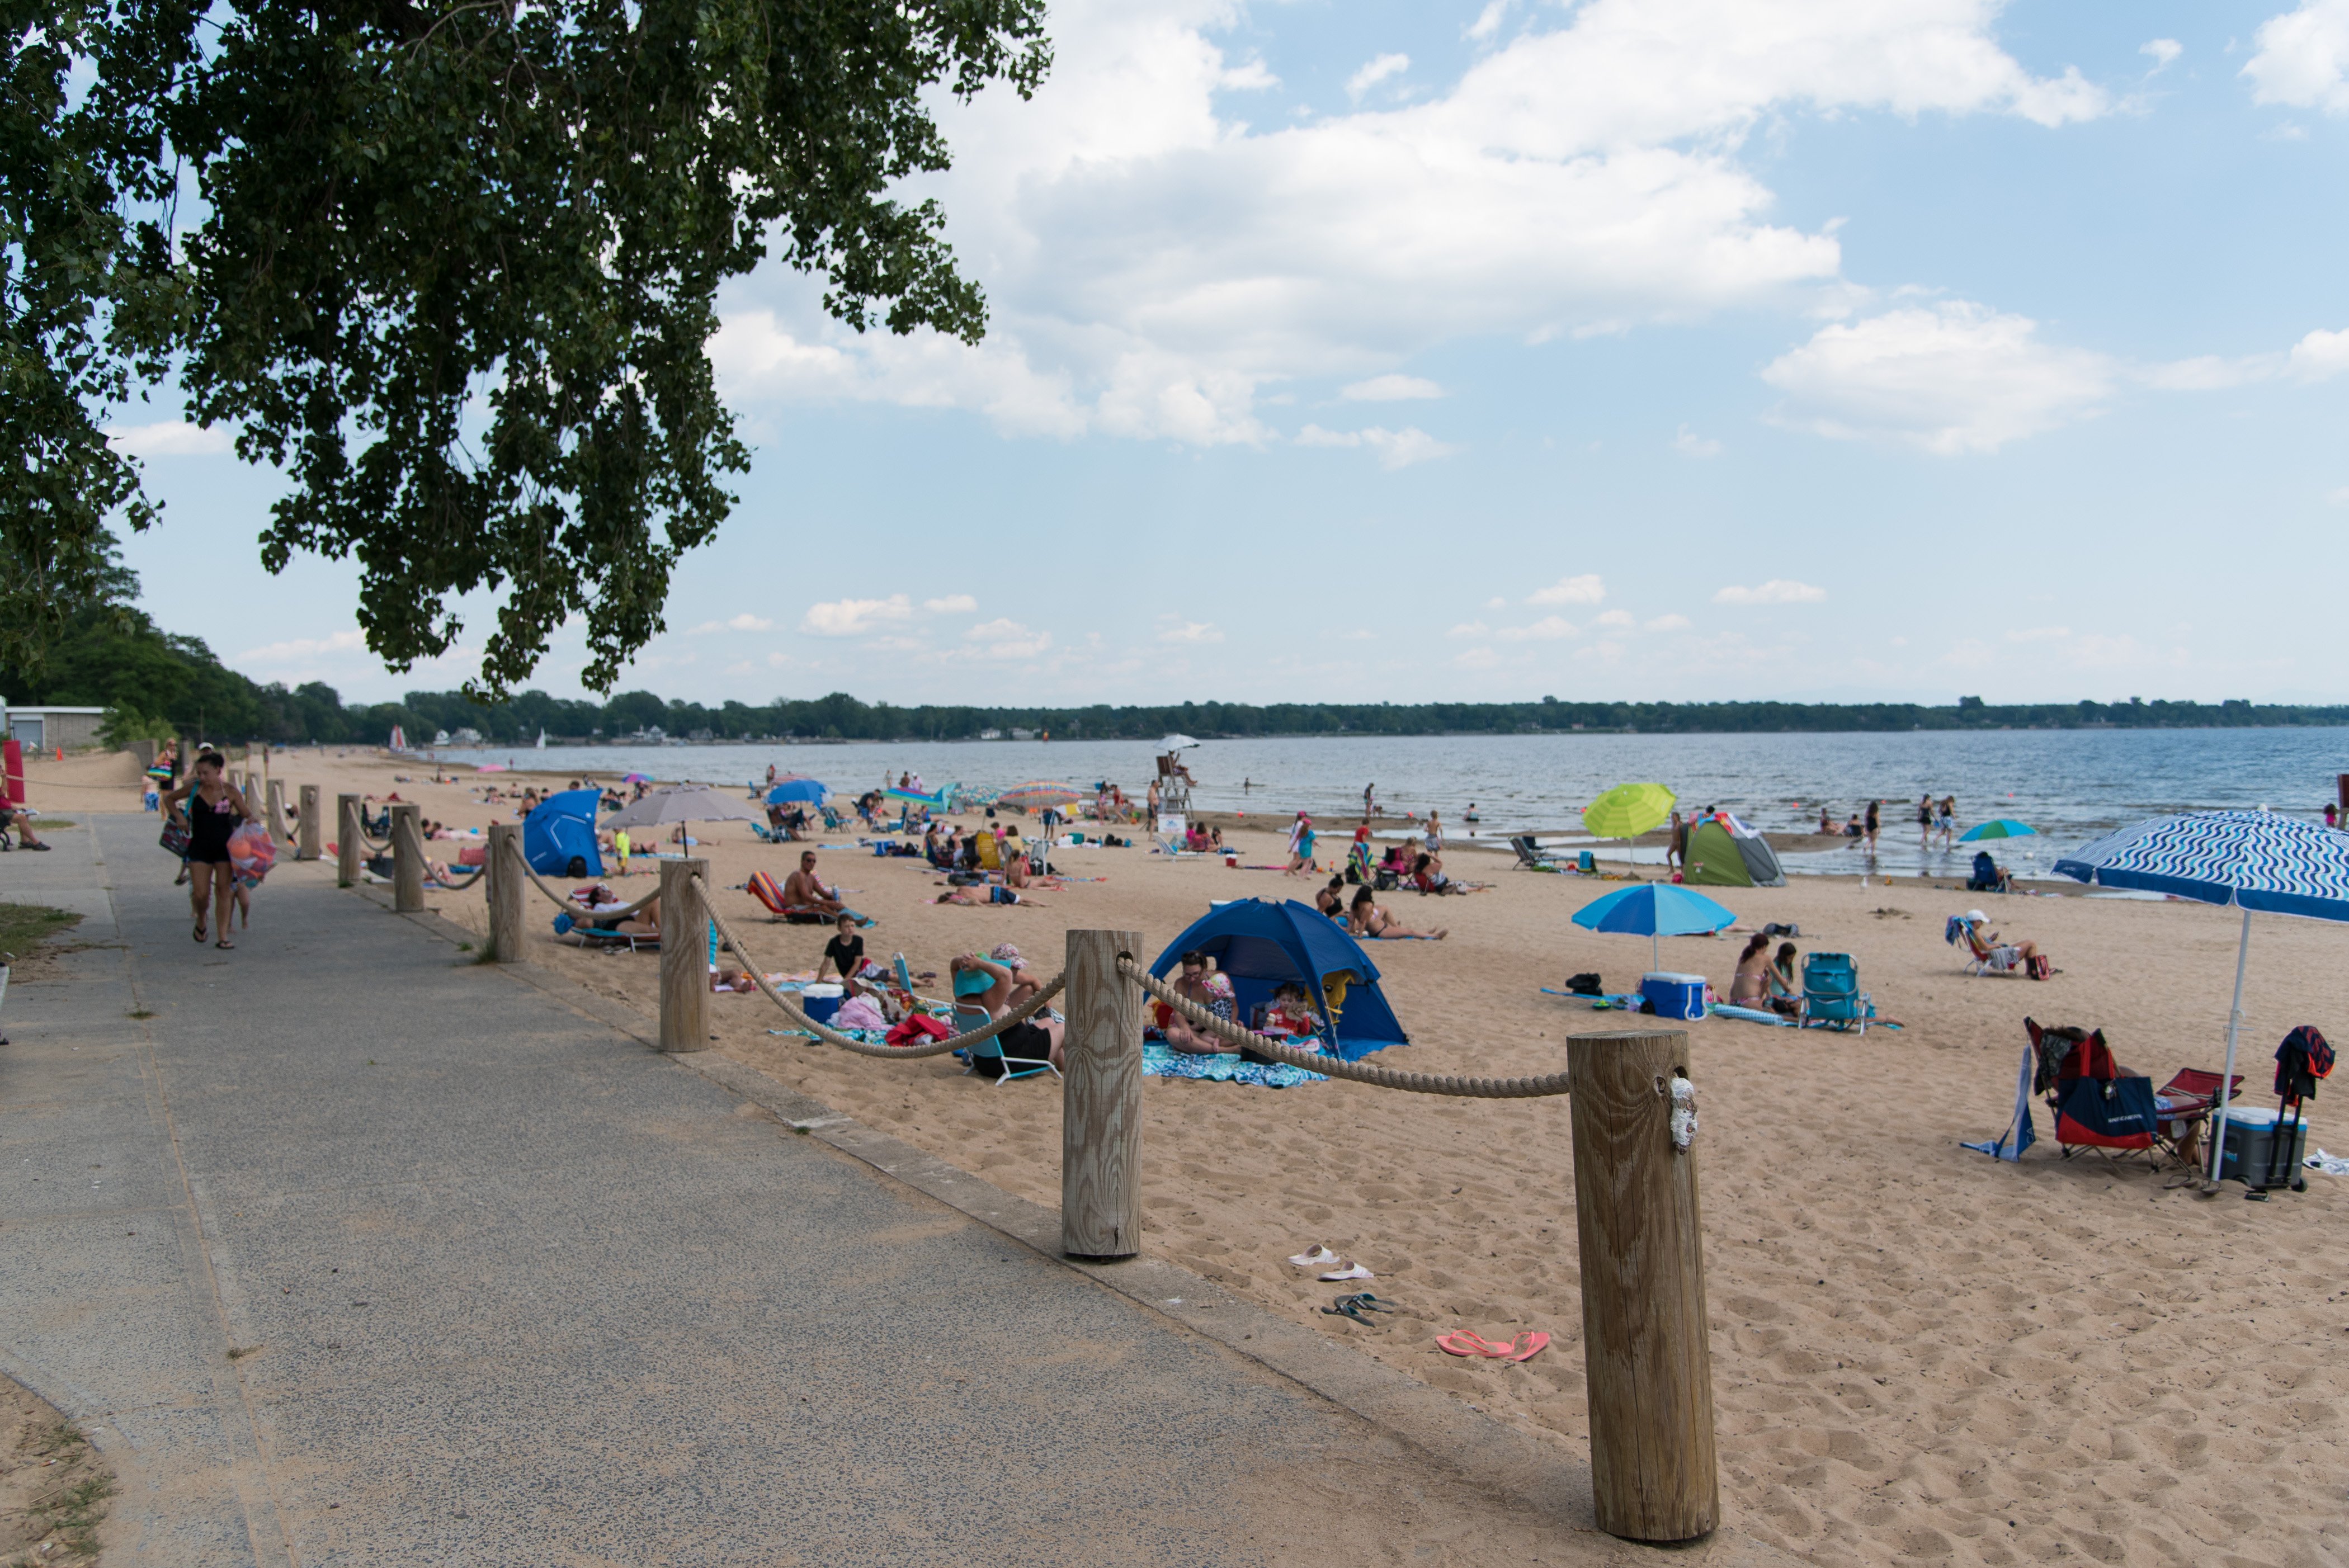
2234 1029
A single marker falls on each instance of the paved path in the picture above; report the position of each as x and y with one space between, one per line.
355 1252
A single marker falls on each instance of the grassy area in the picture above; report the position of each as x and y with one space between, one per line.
68 1486
25 927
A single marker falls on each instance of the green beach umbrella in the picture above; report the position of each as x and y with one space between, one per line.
1628 810
2000 828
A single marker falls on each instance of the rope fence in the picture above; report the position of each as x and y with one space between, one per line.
791 1010
1334 1067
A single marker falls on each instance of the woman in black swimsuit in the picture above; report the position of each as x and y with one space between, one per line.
215 807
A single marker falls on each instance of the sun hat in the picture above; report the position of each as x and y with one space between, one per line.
1975 917
1004 952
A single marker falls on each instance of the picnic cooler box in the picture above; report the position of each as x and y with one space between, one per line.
821 1002
2250 1142
1674 995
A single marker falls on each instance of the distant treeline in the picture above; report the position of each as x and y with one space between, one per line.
114 656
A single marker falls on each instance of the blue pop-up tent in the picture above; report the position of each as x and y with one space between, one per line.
1260 946
560 830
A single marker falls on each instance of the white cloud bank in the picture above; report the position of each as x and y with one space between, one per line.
1154 267
167 438
2303 58
1777 590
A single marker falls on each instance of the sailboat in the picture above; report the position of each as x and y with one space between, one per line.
542 740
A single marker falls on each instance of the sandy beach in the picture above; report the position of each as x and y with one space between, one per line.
1919 1353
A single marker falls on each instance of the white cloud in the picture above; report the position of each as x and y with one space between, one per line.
952 605
1690 444
1181 631
1391 389
1005 639
2039 634
745 622
1617 618
1674 623
1249 76
1550 628
1588 589
2212 372
854 617
2303 58
1157 270
1777 590
1470 629
1396 449
2339 497
2321 354
168 438
1951 378
1477 659
1488 21
2163 52
1496 604
1375 72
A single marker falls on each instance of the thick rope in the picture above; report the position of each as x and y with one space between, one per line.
1334 1067
573 906
791 1010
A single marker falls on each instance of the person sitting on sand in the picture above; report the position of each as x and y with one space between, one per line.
1292 1011
1331 900
990 982
805 890
1998 953
1366 918
844 952
1786 997
1852 830
1826 823
1210 989
1751 988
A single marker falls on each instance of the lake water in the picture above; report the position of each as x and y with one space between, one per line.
2069 784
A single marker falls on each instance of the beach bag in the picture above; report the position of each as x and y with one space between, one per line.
176 839
2041 966
918 1028
1585 984
251 851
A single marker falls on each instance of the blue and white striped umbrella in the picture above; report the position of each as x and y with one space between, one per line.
2254 859
2276 865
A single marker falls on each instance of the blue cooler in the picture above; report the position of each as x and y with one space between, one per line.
821 1002
1674 995
2252 1133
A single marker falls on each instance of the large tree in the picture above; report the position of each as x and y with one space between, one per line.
451 267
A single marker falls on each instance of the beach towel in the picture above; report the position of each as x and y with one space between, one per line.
1162 1061
2009 1145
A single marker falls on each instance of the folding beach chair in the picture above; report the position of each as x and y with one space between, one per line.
1831 993
1530 855
2095 1106
2185 1104
1982 958
968 1017
770 894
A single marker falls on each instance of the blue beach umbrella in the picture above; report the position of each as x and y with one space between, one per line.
797 786
2254 859
1998 828
1653 910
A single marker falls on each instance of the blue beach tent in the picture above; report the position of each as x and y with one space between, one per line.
1260 946
560 830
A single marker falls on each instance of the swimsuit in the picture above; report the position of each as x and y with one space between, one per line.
209 827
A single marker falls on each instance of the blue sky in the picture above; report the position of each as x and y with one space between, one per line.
1811 349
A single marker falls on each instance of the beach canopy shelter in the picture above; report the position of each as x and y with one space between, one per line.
1653 910
2255 860
1260 946
1998 828
690 803
1628 810
797 788
560 830
1724 852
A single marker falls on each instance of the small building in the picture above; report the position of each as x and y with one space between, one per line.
46 727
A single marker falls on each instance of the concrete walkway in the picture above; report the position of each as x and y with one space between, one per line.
356 1252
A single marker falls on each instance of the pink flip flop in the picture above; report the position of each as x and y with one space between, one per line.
1526 1346
1463 1342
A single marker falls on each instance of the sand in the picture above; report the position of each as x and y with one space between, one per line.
1918 1352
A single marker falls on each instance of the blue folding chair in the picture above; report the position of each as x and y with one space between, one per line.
1831 993
967 1017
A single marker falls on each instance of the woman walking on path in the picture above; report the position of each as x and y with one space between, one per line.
216 808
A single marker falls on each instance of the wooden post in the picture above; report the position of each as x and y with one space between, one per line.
684 958
505 870
347 838
306 830
273 792
407 859
1647 1367
1101 1100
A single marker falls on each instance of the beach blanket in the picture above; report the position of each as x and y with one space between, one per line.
1161 1061
2009 1145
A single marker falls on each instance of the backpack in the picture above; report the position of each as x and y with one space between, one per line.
1584 984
